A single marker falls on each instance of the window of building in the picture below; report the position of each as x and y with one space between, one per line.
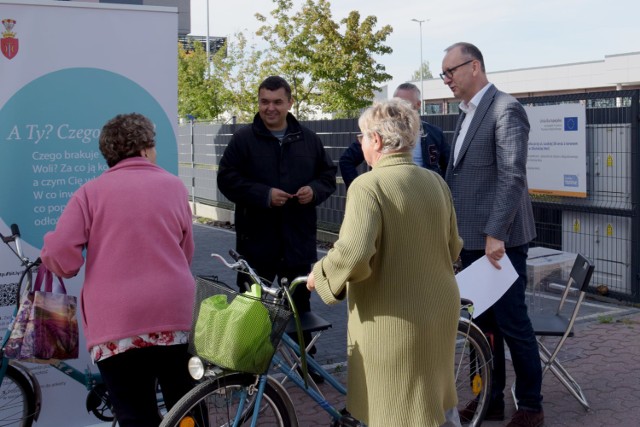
609 102
431 108
453 107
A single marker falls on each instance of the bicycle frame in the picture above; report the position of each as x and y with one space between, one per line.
282 362
89 379
286 359
288 370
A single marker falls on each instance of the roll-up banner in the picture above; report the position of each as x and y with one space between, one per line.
65 69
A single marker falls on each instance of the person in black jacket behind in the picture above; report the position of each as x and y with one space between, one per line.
276 171
431 152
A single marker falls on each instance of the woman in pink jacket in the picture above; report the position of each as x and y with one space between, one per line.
135 224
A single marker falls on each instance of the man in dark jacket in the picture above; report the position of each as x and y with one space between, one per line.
276 171
432 152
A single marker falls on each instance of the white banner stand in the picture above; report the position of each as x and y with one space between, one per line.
65 69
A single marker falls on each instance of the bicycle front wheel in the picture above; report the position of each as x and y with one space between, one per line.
17 399
473 365
217 402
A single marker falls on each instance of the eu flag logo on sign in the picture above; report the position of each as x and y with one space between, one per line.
570 123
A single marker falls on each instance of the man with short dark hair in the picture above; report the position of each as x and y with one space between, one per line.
431 152
276 171
487 174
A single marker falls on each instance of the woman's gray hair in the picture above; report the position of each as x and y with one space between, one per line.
397 123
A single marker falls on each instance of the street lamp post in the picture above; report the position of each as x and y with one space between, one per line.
421 67
207 47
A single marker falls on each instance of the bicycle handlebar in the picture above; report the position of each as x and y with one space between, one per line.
297 281
15 238
241 265
15 234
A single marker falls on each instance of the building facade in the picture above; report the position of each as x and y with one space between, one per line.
614 73
184 9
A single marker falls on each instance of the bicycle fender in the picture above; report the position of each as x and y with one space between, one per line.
472 325
37 391
282 392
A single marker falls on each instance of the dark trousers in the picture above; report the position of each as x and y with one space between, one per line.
131 379
301 295
508 320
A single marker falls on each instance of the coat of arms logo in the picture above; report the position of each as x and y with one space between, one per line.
9 42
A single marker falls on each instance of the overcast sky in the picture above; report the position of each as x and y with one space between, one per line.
511 34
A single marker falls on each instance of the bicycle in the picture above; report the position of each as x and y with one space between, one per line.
473 365
20 393
228 398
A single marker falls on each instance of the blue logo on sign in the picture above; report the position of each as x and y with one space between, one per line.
570 123
571 180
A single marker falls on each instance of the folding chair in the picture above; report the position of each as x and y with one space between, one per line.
559 325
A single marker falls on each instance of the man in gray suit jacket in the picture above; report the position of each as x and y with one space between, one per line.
488 179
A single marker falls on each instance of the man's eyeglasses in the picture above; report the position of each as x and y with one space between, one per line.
449 73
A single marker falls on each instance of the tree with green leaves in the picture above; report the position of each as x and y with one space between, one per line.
426 73
226 87
200 92
328 64
289 37
240 66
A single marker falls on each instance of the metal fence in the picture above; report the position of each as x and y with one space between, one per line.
605 226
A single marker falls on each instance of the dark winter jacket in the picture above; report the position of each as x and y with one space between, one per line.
252 164
435 154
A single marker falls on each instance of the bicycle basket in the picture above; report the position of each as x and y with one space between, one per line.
233 330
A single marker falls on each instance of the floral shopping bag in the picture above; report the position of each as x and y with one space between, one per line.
14 344
50 330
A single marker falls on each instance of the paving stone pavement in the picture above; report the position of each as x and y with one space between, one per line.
603 356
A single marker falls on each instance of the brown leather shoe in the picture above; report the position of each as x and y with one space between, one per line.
494 413
524 418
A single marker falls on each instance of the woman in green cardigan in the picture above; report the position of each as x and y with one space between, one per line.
393 262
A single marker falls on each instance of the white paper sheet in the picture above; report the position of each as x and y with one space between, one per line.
484 284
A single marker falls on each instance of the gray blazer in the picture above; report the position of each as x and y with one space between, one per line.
489 181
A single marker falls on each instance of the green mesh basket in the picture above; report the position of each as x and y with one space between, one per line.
233 330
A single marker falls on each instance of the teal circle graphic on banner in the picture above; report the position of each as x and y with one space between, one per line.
49 132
